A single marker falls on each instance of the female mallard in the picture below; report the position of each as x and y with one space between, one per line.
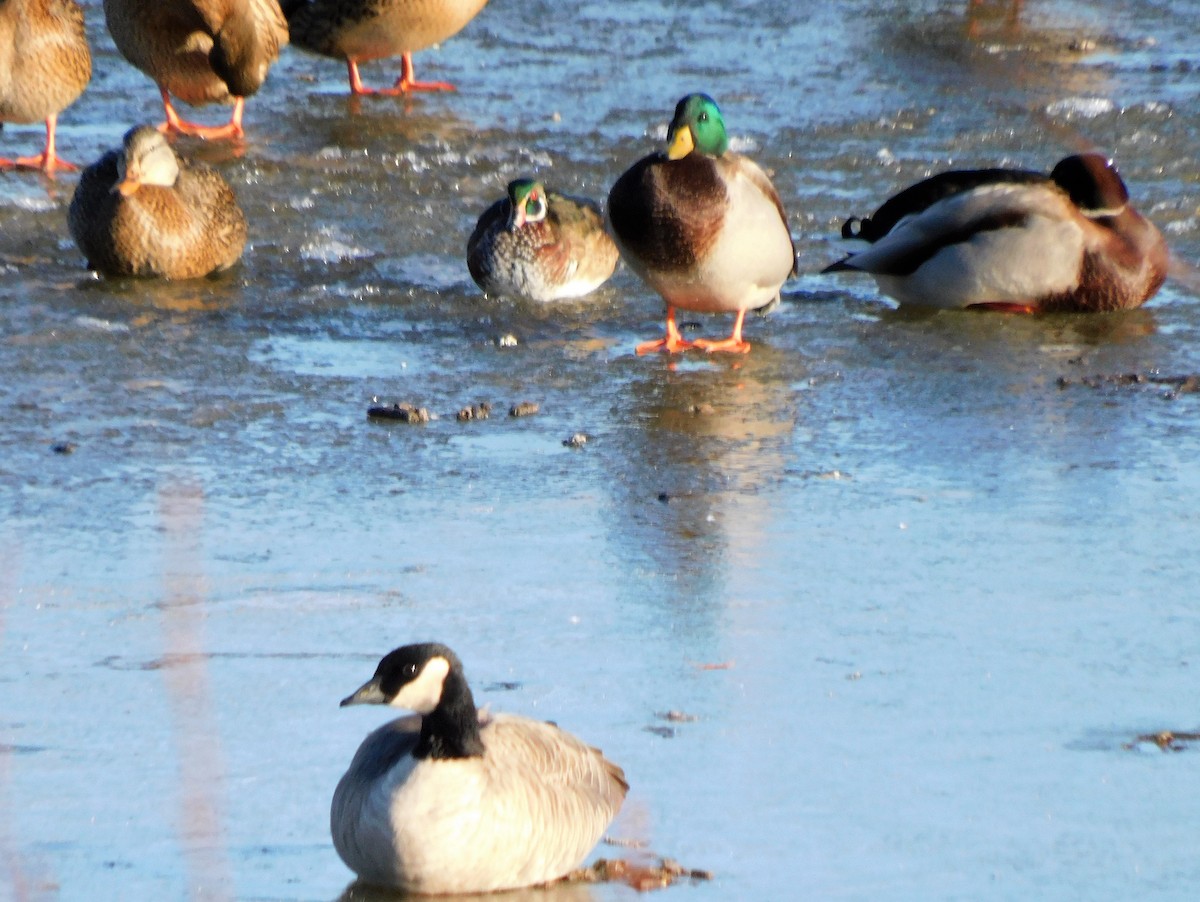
362 30
45 64
201 51
1013 240
540 245
456 800
703 226
140 211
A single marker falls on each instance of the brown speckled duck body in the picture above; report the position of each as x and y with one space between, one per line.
45 64
201 51
540 245
140 211
703 226
1013 240
359 31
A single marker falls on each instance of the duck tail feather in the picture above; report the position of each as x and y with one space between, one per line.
842 265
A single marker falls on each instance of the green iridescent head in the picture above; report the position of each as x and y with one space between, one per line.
697 126
527 198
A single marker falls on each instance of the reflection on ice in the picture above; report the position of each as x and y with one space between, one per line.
709 436
560 892
1005 570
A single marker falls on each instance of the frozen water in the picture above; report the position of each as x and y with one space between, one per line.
921 579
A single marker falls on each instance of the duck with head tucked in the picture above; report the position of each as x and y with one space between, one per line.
201 51
141 211
458 800
703 226
45 64
1013 240
540 245
359 31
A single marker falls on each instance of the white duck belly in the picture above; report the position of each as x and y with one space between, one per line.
1015 265
997 244
750 259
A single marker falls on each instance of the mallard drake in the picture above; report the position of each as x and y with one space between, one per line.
359 31
140 211
45 64
457 800
1013 240
703 226
540 245
201 51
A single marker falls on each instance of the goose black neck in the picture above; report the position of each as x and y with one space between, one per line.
451 730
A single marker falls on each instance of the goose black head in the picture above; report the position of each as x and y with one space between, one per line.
412 677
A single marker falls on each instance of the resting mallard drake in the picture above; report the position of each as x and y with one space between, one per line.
1013 240
456 800
359 31
540 245
45 64
201 51
140 211
703 226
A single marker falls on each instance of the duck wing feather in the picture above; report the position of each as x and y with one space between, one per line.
956 217
920 197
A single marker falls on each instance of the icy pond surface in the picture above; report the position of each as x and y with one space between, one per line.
921 580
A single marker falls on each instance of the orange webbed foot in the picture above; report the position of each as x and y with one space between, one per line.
48 161
406 82
49 164
731 345
668 345
734 344
672 343
403 87
1005 307
228 131
231 130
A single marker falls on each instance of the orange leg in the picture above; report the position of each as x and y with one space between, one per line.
48 160
404 84
356 85
733 343
1005 307
672 343
175 123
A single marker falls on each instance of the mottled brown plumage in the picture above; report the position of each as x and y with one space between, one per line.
201 51
45 64
140 211
362 30
540 245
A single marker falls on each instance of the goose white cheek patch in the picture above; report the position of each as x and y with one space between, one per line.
424 692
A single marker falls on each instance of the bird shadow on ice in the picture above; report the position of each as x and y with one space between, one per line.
559 892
